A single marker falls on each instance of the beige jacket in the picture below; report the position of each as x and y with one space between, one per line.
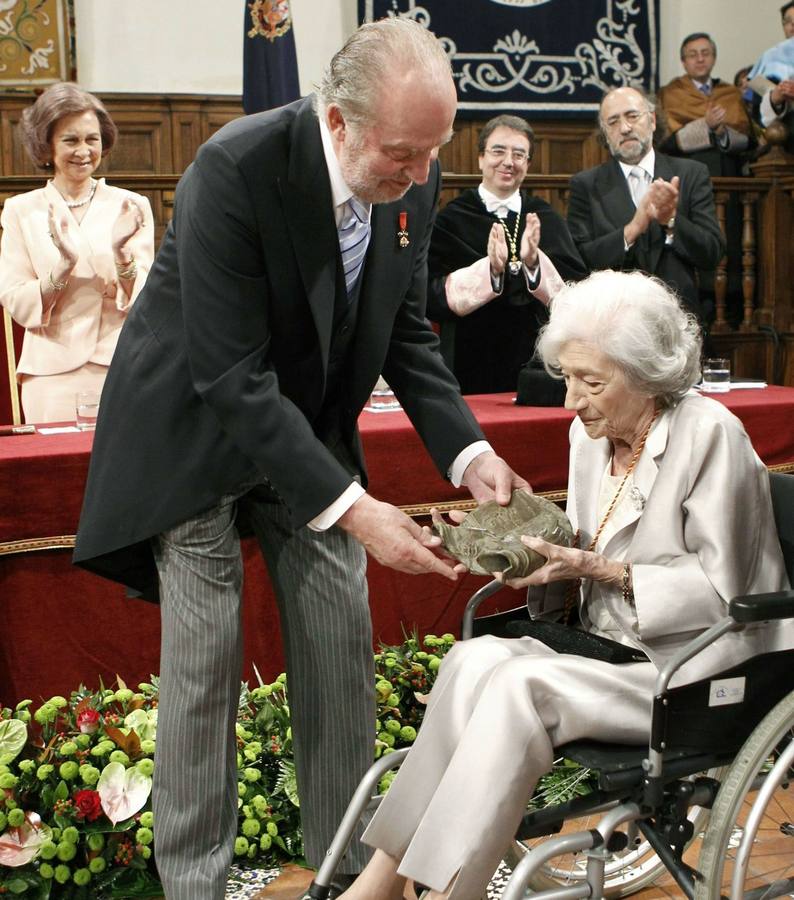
706 535
84 324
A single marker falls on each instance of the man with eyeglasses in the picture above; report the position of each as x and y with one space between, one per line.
642 209
706 117
497 255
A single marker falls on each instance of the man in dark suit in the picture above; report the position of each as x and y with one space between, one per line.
280 293
641 209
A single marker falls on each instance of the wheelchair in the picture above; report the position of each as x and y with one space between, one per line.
714 774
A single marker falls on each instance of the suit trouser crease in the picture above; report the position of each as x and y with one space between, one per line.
495 714
320 583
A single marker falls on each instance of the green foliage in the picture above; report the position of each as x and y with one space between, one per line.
92 727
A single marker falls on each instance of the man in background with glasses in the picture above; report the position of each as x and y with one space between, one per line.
706 117
497 256
642 209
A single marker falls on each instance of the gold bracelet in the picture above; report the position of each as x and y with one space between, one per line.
58 286
626 586
127 270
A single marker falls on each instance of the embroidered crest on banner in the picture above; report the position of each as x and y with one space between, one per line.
270 18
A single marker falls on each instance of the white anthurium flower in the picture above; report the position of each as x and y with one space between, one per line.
19 846
122 792
13 735
143 723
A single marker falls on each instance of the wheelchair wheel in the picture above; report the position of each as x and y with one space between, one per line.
625 872
764 862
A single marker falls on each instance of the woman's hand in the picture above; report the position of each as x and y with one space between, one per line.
566 564
128 222
64 243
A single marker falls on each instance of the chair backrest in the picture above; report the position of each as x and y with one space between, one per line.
783 504
11 369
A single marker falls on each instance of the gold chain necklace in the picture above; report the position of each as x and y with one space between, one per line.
512 240
570 597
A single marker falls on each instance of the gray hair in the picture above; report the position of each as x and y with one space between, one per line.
635 320
374 52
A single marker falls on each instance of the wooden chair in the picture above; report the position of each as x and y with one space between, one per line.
9 403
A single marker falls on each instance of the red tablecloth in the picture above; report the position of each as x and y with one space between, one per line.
60 626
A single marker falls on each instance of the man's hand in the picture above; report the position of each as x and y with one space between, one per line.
715 117
530 240
394 539
661 199
497 249
488 477
783 91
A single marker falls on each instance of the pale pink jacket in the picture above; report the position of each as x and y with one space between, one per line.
84 324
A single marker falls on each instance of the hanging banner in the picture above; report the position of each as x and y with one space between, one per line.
537 56
35 43
270 64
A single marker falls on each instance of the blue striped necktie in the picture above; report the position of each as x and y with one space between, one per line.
353 240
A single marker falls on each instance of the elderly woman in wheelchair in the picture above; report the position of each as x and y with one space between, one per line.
674 519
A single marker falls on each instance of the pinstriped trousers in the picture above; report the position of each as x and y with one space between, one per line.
320 586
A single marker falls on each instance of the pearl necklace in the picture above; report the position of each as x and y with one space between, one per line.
76 204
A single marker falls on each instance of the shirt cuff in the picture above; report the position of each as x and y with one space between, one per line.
497 281
470 288
458 468
331 514
532 275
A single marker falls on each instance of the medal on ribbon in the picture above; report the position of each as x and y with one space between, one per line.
402 234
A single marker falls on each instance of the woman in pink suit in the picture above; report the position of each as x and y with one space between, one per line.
74 254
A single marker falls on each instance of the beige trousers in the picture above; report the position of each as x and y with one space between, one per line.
496 712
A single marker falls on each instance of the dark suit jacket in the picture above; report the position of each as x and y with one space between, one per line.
220 372
601 205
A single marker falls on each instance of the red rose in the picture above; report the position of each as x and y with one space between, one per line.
87 805
88 720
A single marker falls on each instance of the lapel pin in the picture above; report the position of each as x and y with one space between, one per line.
402 234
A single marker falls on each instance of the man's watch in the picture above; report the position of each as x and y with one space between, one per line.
670 225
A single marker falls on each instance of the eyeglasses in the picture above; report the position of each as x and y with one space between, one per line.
632 117
500 152
699 54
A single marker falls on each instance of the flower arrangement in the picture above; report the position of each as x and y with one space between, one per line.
76 778
75 786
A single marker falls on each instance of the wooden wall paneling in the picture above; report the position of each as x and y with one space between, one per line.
186 136
213 118
144 142
15 159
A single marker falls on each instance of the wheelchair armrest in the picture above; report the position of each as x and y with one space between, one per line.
761 607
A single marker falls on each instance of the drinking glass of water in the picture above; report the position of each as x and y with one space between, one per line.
716 375
86 404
